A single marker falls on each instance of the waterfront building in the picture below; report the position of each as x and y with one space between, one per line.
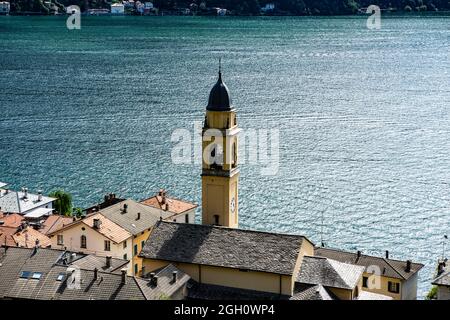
117 9
25 203
180 210
226 262
5 7
442 280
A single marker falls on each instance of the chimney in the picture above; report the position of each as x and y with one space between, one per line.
387 254
97 223
358 254
162 193
124 276
95 274
36 242
167 207
25 193
155 281
39 195
125 208
408 266
174 276
108 261
138 216
152 275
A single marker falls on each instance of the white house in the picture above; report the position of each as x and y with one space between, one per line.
268 7
4 7
117 9
25 203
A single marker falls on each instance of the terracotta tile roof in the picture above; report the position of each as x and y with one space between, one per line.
6 236
12 220
223 247
27 238
54 223
107 228
388 267
169 204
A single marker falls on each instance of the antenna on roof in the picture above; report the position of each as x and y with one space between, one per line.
321 229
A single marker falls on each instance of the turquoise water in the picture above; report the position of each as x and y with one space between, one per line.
363 116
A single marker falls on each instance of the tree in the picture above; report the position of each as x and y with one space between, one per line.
63 202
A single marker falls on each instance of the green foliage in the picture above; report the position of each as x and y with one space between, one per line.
77 212
63 203
432 295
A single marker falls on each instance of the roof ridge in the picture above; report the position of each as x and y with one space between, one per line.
395 269
235 229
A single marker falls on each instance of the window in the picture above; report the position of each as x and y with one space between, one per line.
36 275
25 274
135 249
136 269
60 277
142 244
186 218
60 239
124 244
83 242
365 280
394 287
107 245
216 219
125 257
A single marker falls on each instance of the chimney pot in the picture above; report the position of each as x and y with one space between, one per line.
124 276
408 266
108 261
174 276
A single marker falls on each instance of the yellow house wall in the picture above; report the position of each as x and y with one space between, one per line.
342 294
383 289
251 280
143 236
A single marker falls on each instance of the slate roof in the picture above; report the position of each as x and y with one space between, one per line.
166 287
444 278
90 262
388 267
197 291
108 286
223 247
329 273
129 220
312 292
13 201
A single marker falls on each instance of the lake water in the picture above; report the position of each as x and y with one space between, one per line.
363 115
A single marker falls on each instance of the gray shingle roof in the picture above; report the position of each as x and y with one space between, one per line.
129 219
197 291
443 279
14 201
166 288
329 273
388 267
90 262
312 292
46 261
224 247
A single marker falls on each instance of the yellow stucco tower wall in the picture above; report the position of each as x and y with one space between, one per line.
220 173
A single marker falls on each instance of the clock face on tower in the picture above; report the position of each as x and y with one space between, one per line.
233 204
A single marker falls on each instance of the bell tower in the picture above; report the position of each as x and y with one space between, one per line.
220 173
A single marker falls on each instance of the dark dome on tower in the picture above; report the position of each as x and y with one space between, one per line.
219 97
